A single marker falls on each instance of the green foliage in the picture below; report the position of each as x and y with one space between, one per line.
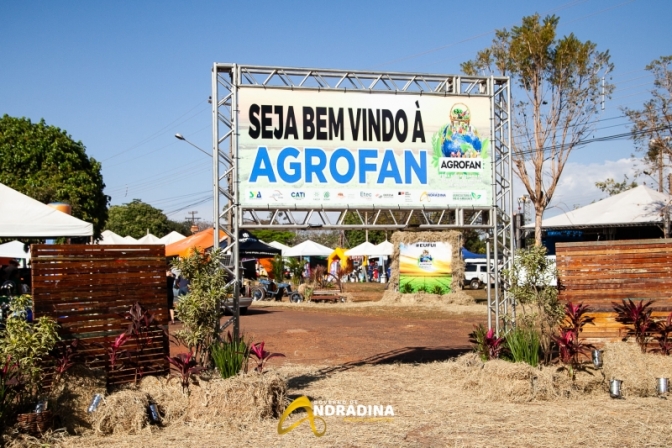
611 187
296 269
531 286
523 343
200 310
23 348
473 242
136 218
281 236
45 163
357 237
278 268
560 85
406 288
230 357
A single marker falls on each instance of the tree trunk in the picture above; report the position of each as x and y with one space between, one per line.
538 213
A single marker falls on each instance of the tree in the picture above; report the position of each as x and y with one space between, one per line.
652 126
561 82
611 187
45 163
183 228
136 219
473 241
281 236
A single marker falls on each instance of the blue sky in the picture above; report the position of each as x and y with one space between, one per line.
124 77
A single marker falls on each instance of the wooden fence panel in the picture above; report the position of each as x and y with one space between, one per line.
599 273
89 289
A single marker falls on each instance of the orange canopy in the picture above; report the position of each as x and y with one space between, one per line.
202 240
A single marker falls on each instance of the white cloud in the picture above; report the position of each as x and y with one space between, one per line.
577 183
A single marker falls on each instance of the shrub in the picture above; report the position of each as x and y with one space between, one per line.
406 288
524 345
230 357
531 285
638 317
664 329
183 366
570 347
486 344
200 310
261 356
422 288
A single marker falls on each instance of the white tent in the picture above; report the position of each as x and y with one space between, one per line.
23 216
637 206
171 238
149 239
385 248
308 249
14 249
363 250
109 237
129 240
284 248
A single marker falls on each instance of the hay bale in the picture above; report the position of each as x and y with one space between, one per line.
500 380
123 412
457 298
638 371
452 237
168 396
237 401
71 396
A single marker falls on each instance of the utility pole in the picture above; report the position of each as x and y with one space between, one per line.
193 219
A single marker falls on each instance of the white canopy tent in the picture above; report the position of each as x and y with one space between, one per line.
385 248
23 216
284 248
171 238
363 250
14 249
109 237
308 249
637 206
129 240
149 239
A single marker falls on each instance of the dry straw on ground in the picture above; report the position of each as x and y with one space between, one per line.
637 370
72 394
433 408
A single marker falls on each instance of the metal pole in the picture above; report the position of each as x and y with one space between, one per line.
233 190
215 156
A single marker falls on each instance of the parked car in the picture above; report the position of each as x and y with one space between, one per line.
476 274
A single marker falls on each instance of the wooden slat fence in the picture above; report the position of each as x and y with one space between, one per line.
89 289
601 272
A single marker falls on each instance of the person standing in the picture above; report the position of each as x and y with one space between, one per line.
170 282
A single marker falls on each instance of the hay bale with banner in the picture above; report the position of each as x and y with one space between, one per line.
426 268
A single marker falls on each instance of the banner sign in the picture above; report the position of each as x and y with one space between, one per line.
355 149
425 266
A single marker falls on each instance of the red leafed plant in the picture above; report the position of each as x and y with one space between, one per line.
183 366
261 356
114 351
638 316
486 344
65 354
570 347
664 331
